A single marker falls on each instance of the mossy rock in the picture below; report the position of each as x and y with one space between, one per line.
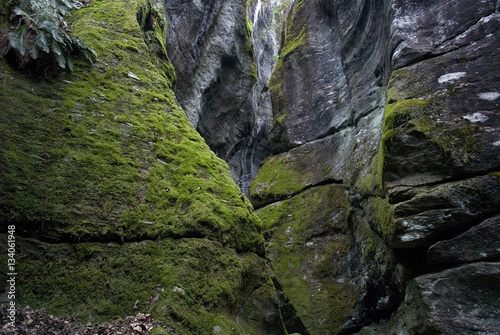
276 180
294 36
308 246
194 284
115 196
106 153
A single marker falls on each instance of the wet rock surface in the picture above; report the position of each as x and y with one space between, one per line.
223 54
115 197
417 150
479 243
459 300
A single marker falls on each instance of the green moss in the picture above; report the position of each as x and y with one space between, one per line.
327 169
496 174
277 88
295 29
297 230
385 218
253 72
5 7
109 141
458 141
418 115
373 183
396 113
193 284
105 154
461 142
159 331
249 25
276 180
405 113
396 118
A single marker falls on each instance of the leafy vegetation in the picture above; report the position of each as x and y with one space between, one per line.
39 37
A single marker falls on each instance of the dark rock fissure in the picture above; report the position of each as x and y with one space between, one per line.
291 320
306 187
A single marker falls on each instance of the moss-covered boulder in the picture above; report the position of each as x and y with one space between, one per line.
327 261
118 204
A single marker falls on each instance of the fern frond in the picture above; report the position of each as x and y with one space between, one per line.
34 51
56 48
41 26
61 60
69 61
41 41
14 39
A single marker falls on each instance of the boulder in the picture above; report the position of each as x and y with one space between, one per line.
118 204
460 300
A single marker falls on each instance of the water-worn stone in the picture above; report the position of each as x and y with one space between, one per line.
480 243
309 101
445 210
445 107
222 79
325 266
424 30
462 300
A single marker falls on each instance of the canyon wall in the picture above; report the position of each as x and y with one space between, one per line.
382 176
118 204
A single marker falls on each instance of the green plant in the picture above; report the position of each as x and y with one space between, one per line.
40 33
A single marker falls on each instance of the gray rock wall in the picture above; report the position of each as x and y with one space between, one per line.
441 157
223 54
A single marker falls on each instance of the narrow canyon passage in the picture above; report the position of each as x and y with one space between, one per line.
250 166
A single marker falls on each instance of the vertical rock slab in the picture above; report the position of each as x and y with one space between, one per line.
480 243
224 93
322 254
441 123
364 29
443 211
438 161
247 155
328 93
309 101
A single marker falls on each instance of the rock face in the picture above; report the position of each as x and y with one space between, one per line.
119 206
441 157
328 93
462 300
224 93
396 103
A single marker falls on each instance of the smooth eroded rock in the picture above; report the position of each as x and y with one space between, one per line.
479 243
461 300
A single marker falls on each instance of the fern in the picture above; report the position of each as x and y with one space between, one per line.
40 30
